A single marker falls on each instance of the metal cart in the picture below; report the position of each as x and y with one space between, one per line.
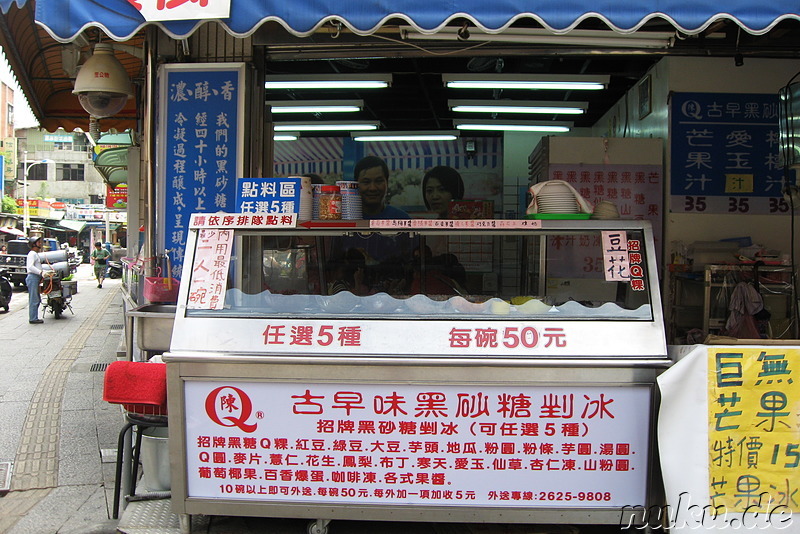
465 371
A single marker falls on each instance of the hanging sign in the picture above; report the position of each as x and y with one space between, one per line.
158 10
269 195
753 448
201 146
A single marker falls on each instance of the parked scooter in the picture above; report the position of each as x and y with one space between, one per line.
114 269
56 294
6 289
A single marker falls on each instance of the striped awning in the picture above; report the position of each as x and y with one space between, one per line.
121 20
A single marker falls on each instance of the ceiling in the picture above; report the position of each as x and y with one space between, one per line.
417 99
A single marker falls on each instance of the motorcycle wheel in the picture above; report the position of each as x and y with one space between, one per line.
58 309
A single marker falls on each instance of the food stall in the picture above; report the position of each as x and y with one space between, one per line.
416 370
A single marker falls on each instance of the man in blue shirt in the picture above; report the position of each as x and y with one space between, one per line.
372 175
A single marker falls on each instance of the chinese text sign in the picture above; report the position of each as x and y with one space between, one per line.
200 124
268 195
724 153
471 445
754 450
636 190
157 10
210 269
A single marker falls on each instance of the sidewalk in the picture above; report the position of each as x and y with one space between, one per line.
56 430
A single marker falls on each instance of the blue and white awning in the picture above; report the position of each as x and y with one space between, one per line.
121 20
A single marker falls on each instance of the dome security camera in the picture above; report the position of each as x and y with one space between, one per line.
103 87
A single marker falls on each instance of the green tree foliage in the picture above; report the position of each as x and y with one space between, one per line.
9 205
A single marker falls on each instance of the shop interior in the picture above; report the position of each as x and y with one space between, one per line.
418 100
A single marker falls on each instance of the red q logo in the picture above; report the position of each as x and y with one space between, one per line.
230 406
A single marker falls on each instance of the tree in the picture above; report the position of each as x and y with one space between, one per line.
9 205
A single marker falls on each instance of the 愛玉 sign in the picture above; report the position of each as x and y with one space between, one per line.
532 446
200 146
724 154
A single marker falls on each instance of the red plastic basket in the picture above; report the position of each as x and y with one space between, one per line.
140 387
158 289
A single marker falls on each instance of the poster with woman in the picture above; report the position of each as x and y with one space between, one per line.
408 164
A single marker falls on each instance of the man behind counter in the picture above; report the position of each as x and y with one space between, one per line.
372 175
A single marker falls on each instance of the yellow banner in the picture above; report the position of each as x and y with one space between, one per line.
754 429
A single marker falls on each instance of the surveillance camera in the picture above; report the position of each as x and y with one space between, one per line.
101 104
103 87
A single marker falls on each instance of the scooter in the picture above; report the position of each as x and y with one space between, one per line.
114 269
56 296
6 289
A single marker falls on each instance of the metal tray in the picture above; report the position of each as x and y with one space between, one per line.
152 326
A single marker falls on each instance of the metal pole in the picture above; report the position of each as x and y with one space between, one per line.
108 227
26 222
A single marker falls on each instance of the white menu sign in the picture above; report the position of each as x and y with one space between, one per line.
390 443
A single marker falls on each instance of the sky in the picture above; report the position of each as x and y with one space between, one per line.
23 116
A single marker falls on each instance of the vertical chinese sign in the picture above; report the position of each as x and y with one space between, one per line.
724 154
754 451
201 147
210 269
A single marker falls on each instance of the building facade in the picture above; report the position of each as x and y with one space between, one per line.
69 176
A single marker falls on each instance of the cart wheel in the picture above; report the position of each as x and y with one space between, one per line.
319 526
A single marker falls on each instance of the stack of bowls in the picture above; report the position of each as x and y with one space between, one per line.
351 200
556 197
605 210
305 210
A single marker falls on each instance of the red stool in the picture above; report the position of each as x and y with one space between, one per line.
141 389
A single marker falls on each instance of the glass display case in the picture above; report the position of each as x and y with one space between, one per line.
536 277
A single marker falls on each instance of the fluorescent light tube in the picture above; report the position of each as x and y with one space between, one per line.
406 136
518 106
369 81
513 126
287 136
522 81
321 126
315 106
